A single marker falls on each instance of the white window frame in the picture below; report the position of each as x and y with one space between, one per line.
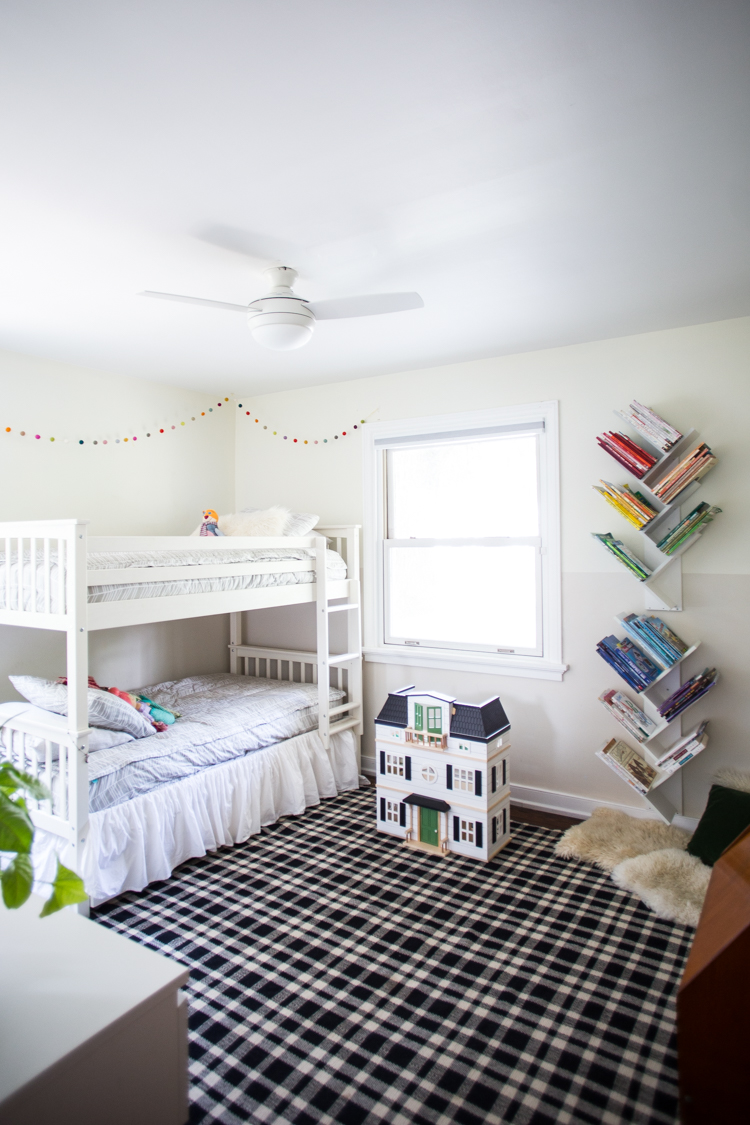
376 435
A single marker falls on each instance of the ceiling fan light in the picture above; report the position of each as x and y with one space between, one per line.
282 337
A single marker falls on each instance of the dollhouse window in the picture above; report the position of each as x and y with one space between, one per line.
463 779
467 831
392 811
429 774
462 550
394 765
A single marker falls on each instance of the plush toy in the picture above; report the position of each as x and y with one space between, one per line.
210 525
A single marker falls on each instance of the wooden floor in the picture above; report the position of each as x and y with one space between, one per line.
541 818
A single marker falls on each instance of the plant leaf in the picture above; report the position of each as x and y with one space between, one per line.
12 779
17 880
16 829
67 889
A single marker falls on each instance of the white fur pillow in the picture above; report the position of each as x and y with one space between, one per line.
270 522
299 523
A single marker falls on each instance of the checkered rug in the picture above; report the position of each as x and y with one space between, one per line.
337 977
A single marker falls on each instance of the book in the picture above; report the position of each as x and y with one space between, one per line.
698 518
623 554
692 467
628 764
686 695
651 426
626 713
632 505
659 643
629 662
632 456
687 748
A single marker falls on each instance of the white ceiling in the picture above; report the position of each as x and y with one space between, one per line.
542 171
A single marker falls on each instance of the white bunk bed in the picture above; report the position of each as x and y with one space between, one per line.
51 570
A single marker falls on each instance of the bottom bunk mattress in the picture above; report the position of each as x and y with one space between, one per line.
138 841
222 716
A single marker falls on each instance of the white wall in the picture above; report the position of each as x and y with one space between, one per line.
157 485
693 376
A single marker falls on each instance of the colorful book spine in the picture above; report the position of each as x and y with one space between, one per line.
623 554
698 518
685 696
633 457
628 715
629 662
651 426
695 465
632 505
657 641
687 748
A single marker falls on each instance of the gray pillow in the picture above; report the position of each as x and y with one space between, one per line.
299 523
105 709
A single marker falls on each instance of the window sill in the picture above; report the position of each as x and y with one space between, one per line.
532 667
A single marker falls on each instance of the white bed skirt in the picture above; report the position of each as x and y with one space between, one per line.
143 840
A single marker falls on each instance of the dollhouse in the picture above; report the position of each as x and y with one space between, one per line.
443 781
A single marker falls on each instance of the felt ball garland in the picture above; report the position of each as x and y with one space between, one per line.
130 440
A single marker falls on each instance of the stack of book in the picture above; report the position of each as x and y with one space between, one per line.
633 457
685 749
632 505
655 639
649 425
629 662
699 517
629 765
626 713
623 554
691 690
692 467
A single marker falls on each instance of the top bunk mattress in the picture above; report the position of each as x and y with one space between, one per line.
192 583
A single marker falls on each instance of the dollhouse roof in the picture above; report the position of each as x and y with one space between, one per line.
427 802
480 722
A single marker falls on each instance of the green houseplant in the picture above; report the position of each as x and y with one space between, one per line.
16 838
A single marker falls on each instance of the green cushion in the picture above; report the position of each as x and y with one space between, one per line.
727 814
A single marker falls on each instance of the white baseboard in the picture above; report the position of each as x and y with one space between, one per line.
566 804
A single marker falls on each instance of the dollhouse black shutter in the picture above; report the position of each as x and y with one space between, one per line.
505 770
449 777
478 783
407 768
382 808
382 761
456 828
494 778
479 835
402 815
505 821
494 830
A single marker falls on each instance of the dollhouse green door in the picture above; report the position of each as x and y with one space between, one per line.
428 826
435 720
418 719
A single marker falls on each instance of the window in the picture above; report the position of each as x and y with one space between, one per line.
391 811
467 831
435 720
462 542
429 774
463 779
394 765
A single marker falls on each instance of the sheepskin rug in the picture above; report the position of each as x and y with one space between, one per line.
671 883
646 857
608 837
269 521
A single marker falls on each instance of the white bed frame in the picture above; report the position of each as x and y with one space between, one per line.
67 814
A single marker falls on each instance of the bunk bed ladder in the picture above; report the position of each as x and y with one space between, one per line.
351 711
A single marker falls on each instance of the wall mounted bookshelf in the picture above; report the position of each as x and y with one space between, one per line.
649 658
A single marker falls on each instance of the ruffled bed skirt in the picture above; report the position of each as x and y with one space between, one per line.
135 843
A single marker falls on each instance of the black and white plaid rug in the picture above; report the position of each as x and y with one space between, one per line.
337 977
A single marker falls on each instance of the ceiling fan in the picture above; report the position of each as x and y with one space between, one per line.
281 320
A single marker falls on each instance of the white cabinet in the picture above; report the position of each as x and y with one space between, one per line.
93 1027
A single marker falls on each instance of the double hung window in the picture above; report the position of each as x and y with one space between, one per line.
462 541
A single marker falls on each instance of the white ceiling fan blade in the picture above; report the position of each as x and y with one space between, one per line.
194 301
371 305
